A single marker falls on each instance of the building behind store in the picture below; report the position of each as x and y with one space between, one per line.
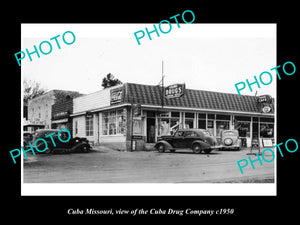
40 108
61 112
127 116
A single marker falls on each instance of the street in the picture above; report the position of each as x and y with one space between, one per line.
103 165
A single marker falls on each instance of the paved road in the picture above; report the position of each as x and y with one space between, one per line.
104 165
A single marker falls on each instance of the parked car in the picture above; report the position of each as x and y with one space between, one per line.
76 144
196 139
27 137
230 139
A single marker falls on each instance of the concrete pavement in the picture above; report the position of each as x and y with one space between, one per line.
104 165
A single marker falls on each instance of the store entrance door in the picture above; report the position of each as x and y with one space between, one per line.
150 130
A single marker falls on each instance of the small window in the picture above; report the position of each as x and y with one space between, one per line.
89 126
76 127
243 118
223 117
202 116
211 116
175 114
150 114
267 120
189 115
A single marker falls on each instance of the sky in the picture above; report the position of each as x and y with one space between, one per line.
210 57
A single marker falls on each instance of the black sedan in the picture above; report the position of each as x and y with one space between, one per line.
196 139
73 145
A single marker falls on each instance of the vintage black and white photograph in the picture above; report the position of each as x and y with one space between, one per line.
130 109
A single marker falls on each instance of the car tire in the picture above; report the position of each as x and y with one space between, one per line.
172 150
85 149
48 151
160 148
196 148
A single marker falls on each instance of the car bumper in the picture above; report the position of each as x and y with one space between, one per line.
231 146
216 147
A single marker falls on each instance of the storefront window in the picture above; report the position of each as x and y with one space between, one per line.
202 121
210 127
266 130
89 126
168 123
164 127
221 125
113 122
243 128
137 127
189 120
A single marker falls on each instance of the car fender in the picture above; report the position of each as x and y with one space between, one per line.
79 146
41 145
203 144
165 143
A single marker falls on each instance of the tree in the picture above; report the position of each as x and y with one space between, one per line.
110 81
31 89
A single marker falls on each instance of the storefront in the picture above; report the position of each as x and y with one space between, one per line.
127 116
61 112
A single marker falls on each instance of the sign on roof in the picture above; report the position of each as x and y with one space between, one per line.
174 91
265 103
116 95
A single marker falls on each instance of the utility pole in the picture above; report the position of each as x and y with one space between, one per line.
162 84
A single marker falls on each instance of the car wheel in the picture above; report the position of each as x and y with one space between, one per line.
197 148
85 149
160 148
48 151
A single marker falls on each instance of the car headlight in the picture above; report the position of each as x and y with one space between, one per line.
228 141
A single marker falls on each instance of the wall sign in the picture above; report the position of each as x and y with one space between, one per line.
137 110
61 114
116 95
174 91
267 142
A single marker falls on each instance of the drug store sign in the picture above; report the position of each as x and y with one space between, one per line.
174 91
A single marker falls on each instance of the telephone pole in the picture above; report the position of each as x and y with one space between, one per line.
162 84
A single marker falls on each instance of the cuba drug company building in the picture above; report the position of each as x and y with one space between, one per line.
128 116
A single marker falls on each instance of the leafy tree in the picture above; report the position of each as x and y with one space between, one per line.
110 81
31 89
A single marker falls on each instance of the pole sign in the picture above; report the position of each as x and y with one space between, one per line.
174 91
265 103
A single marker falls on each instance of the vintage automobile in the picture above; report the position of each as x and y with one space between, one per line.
27 137
73 145
230 139
197 139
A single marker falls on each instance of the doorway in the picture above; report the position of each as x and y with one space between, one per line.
150 130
